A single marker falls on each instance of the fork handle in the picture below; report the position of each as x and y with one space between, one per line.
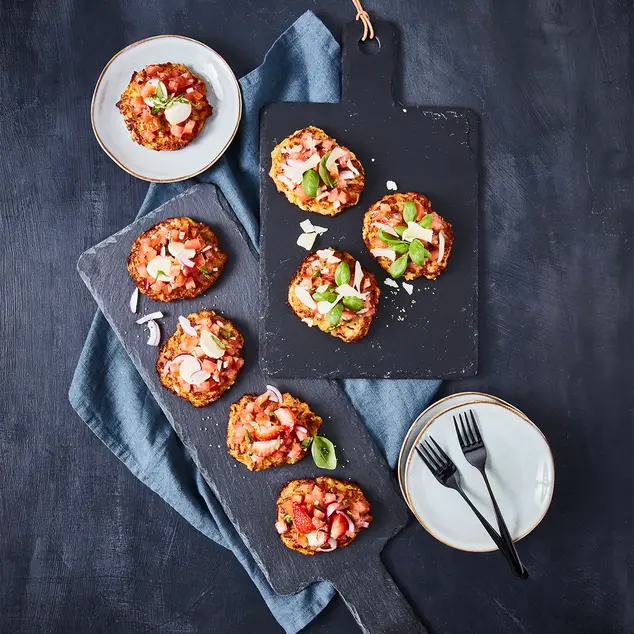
499 542
518 566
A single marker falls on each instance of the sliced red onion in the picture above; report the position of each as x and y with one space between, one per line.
185 261
332 507
301 429
181 357
276 395
134 300
155 333
151 317
199 377
332 545
162 252
187 327
351 526
322 195
364 524
205 249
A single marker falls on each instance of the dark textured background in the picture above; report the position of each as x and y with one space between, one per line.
85 547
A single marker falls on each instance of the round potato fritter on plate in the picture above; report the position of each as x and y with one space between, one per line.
264 433
315 516
164 106
334 185
177 258
389 236
201 366
330 290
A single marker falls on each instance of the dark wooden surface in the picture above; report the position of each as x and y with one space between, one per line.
249 498
86 547
433 151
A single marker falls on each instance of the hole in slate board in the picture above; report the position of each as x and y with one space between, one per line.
370 47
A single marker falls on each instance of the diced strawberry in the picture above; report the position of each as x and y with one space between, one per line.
298 498
285 416
295 452
262 399
339 526
264 448
301 519
318 494
319 514
318 523
330 497
209 365
317 538
189 127
268 433
301 434
190 284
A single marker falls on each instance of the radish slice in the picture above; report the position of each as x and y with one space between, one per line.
187 327
188 368
352 168
150 317
351 526
199 377
441 247
155 333
276 395
181 357
134 300
332 507
332 545
185 261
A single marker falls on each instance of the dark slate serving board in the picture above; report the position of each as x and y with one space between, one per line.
430 150
249 498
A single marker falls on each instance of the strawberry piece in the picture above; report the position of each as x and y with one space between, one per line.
268 433
339 526
285 416
302 521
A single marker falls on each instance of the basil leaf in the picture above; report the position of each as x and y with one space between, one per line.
204 271
219 343
156 109
342 273
161 91
225 333
400 247
323 171
305 444
417 252
326 296
310 183
248 436
409 211
398 266
334 314
425 223
288 519
159 273
399 229
353 303
323 452
387 238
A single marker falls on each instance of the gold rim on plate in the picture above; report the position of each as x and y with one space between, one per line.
522 417
116 160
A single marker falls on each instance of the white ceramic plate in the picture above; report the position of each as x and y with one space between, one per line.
433 410
520 468
223 93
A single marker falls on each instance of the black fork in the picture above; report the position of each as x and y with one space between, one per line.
475 453
445 471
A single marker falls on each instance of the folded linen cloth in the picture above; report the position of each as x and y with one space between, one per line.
112 399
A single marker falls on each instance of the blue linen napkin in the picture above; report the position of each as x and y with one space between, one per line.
108 393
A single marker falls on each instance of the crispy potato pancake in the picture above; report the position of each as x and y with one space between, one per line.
316 284
201 368
191 262
148 122
387 214
308 146
264 433
319 515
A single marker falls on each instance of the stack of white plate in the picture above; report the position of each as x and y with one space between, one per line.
520 468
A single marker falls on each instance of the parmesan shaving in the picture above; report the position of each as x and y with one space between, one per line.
304 297
441 246
384 253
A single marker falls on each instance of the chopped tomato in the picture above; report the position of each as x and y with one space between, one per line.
343 197
301 194
148 135
194 244
152 69
189 127
177 131
194 95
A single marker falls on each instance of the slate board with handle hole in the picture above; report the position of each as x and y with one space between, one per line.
249 499
430 334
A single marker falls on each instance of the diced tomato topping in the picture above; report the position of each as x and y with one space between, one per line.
177 131
189 127
318 494
329 497
343 197
301 519
148 135
301 194
152 69
194 95
196 244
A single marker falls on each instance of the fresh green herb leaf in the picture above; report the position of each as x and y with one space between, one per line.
203 269
256 426
248 436
218 342
353 303
342 273
323 452
224 333
387 238
399 229
288 519
161 91
324 173
425 223
305 444
409 211
400 247
163 273
398 266
310 183
334 314
326 296
156 109
417 252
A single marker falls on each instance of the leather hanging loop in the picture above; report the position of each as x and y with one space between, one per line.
362 14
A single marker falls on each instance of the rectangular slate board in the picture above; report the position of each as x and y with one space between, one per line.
249 498
431 334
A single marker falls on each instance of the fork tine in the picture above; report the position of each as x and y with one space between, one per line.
464 429
421 453
475 426
446 458
460 440
472 436
433 456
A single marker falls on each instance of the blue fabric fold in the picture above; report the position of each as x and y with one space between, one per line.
108 393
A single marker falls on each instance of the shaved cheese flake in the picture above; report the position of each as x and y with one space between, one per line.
336 204
319 230
409 288
391 185
324 307
384 253
322 288
187 327
287 181
352 168
157 315
307 226
210 346
304 297
307 240
308 321
329 256
155 333
441 247
386 228
322 195
335 155
134 300
291 150
296 171
178 248
414 230
347 175
358 275
390 282
345 290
